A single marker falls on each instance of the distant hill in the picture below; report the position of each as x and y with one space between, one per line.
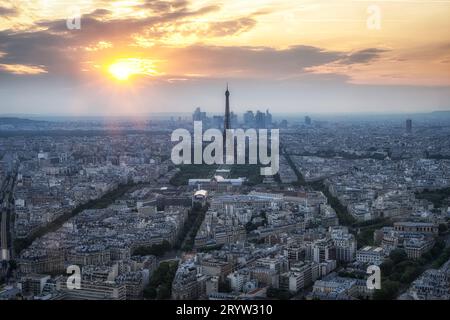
19 121
443 112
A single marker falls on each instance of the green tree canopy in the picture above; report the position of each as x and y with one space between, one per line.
398 255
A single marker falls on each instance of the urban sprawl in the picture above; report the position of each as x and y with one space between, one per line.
106 197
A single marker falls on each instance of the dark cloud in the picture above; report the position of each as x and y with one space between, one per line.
8 12
94 30
247 61
37 48
362 56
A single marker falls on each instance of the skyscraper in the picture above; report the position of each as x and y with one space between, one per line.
227 111
307 120
217 121
249 119
260 120
268 119
408 125
199 115
233 120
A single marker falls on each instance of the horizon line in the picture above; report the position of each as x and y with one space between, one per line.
109 115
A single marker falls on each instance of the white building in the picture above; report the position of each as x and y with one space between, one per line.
371 255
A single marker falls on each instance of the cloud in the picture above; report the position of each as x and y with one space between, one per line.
362 56
64 51
22 69
99 13
37 48
50 43
98 26
245 62
8 12
231 27
163 6
67 52
57 53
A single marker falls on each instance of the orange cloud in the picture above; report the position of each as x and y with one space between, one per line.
230 35
22 69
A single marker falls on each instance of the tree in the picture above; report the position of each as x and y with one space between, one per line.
156 249
442 228
410 274
398 255
163 292
427 256
160 285
150 293
389 290
387 266
249 227
440 243
12 265
278 294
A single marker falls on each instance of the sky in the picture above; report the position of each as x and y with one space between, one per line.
99 57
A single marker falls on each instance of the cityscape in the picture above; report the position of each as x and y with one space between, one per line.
356 205
347 195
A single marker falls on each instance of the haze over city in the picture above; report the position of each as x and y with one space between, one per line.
136 57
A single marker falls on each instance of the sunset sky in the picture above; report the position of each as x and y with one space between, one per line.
307 56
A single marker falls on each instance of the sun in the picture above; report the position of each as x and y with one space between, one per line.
123 69
120 70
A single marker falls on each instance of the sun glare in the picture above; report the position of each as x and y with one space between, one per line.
123 69
120 71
